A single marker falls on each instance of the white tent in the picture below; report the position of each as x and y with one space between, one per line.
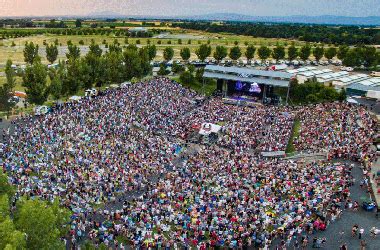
75 98
208 128
351 100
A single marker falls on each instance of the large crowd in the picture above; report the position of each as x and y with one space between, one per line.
114 161
341 130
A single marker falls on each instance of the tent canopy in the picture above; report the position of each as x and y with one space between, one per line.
208 128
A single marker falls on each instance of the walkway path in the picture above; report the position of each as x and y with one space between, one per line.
375 188
364 219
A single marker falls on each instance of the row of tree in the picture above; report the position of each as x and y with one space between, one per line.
349 35
363 55
95 68
14 33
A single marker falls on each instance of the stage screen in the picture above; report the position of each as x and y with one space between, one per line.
247 87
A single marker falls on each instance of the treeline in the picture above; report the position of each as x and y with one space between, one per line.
314 92
14 33
349 35
353 57
78 73
21 23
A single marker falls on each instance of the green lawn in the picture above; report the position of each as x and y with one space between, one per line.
290 149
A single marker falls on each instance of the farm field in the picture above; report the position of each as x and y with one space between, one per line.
15 52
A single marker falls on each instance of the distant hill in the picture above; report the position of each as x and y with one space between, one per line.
328 20
106 14
325 20
342 20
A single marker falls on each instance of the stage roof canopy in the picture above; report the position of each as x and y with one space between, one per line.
274 78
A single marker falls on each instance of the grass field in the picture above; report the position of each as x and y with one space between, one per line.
290 149
15 53
18 86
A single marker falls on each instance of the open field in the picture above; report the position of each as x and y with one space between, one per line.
15 53
18 86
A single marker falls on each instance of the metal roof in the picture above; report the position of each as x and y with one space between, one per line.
351 79
247 71
301 70
362 87
267 81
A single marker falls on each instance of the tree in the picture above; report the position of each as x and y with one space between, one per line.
342 95
185 53
78 23
168 53
4 207
203 52
143 56
250 52
187 78
318 52
330 53
77 76
191 68
39 222
177 68
30 52
34 80
235 53
342 51
199 74
220 53
132 64
56 87
152 51
10 237
5 187
7 89
352 58
115 48
95 49
368 55
264 52
51 53
305 52
94 61
163 71
278 52
311 98
74 52
292 52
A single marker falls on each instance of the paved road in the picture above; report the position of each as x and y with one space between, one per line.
364 219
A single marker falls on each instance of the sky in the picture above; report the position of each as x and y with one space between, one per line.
190 7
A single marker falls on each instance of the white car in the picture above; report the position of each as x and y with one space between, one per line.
349 69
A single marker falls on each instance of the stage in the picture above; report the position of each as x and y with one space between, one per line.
247 85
